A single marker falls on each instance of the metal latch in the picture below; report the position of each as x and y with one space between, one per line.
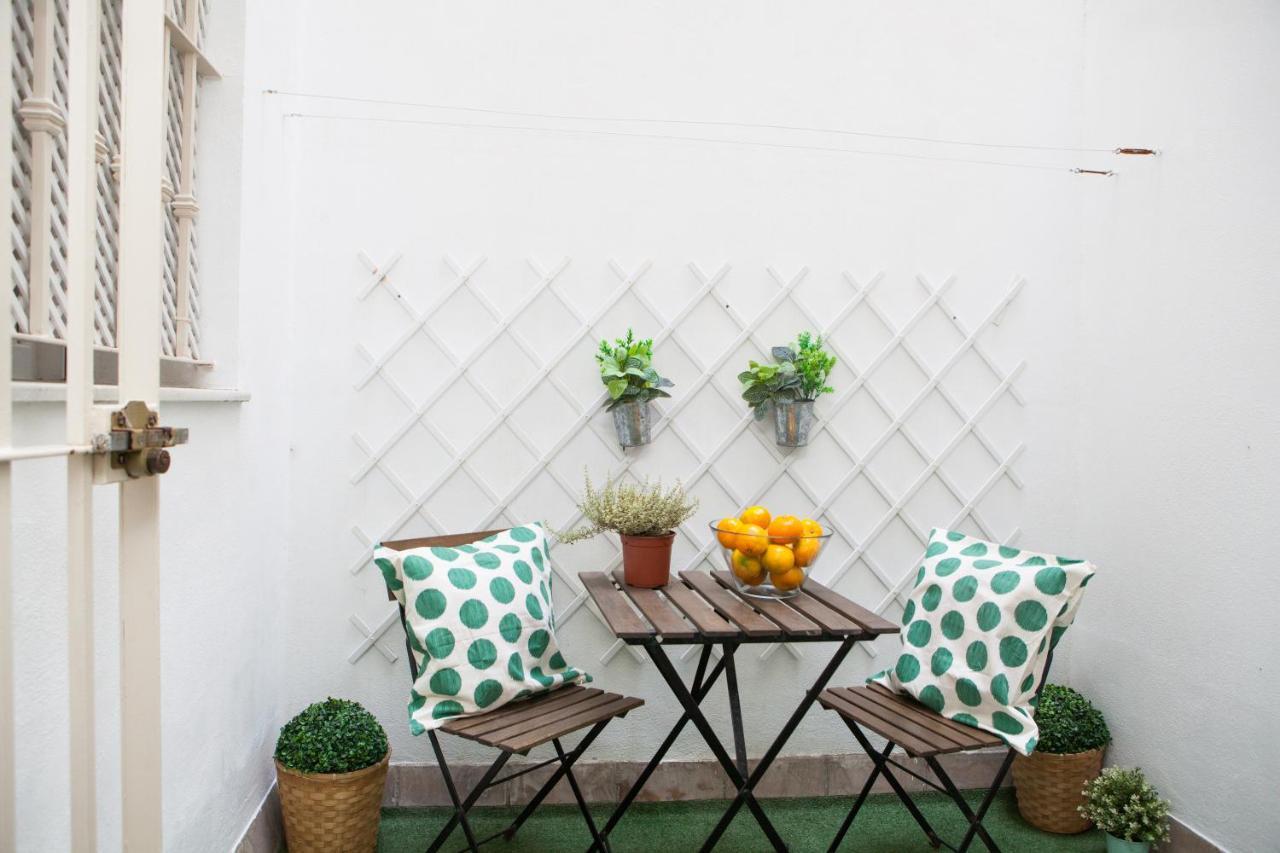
136 442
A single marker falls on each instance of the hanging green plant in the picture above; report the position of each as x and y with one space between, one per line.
799 372
626 369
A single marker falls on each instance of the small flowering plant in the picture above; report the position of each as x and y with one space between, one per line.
1124 804
646 509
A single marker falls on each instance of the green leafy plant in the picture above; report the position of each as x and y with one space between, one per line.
645 509
333 736
800 372
1124 804
1068 722
626 369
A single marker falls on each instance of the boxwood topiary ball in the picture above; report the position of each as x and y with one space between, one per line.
333 736
1068 722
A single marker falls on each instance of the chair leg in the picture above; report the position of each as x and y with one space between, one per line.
566 762
859 800
461 807
598 840
882 764
974 818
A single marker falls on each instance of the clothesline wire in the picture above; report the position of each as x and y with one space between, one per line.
689 122
671 138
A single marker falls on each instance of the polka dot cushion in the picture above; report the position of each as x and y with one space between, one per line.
977 629
480 623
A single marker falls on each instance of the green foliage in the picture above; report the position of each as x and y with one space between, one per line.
799 373
632 510
1068 722
1124 804
333 736
626 369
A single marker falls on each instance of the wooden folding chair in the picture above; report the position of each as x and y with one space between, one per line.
518 727
922 733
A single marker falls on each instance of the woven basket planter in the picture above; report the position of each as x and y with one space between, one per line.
1049 788
332 812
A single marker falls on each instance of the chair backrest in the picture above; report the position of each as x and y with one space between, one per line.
448 540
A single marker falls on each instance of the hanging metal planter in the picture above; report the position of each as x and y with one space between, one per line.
632 420
792 421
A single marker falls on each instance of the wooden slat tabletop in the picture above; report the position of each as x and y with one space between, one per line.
702 607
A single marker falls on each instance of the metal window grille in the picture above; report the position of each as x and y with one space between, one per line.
38 229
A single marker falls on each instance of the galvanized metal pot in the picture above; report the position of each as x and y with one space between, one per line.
631 421
792 421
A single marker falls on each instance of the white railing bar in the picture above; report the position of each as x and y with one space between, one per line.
43 451
8 777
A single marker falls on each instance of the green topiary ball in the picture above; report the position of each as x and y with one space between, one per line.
333 736
1068 722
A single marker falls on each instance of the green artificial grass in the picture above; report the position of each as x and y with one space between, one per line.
883 826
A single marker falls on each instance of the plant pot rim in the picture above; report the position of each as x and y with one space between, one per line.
350 774
1060 756
666 535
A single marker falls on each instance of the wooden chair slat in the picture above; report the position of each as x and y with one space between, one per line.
871 714
665 618
512 712
500 737
618 707
709 623
792 622
940 742
623 621
874 623
845 707
967 736
831 621
730 606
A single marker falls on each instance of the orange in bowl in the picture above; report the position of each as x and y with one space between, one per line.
778 559
727 530
748 569
757 515
788 580
785 530
752 540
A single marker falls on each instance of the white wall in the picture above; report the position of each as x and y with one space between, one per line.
1178 431
429 192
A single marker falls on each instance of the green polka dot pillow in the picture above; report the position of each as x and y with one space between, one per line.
480 623
977 629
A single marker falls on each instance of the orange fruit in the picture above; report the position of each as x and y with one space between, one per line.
778 559
788 580
755 515
727 532
809 527
806 550
752 540
785 530
748 569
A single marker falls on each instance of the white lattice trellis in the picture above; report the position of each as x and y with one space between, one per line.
707 289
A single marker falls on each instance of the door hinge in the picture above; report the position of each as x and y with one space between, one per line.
134 444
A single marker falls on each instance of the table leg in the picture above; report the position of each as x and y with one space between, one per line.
700 690
717 749
745 790
735 711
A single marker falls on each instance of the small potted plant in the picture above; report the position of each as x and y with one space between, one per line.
644 516
1073 737
331 766
626 369
1128 809
790 385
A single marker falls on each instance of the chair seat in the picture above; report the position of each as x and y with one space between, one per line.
522 725
920 730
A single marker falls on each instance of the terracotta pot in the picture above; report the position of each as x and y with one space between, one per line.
1049 788
646 560
336 812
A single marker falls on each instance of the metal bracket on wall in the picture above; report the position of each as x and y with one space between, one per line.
134 444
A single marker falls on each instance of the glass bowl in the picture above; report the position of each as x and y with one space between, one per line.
750 557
